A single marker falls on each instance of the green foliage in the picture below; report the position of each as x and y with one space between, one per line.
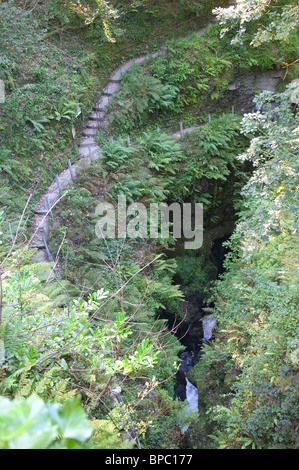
145 169
204 161
106 436
195 274
161 152
270 192
164 431
199 66
194 69
267 21
140 96
255 407
66 109
37 103
57 337
34 424
8 165
210 159
80 13
47 58
204 7
72 326
50 351
117 153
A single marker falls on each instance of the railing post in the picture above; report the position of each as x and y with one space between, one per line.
48 206
89 154
181 129
71 169
58 184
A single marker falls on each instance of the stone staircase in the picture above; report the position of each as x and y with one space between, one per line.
89 150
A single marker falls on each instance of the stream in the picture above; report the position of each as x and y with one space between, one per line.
191 390
195 332
191 393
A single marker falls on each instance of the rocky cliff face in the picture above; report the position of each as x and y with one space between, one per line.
240 93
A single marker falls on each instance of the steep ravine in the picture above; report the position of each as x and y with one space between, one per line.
198 325
238 97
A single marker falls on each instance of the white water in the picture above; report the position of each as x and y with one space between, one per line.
191 391
192 399
191 396
207 325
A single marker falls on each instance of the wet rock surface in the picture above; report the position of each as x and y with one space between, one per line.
241 92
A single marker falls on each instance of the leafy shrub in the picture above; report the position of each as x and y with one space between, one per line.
33 424
195 274
210 159
117 153
140 96
145 169
37 114
256 298
199 66
161 152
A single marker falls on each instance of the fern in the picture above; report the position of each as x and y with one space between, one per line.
42 271
117 153
7 164
57 292
141 95
107 436
161 151
59 392
18 382
38 122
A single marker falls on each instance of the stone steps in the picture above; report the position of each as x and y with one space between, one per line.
97 116
99 109
41 246
90 132
87 141
93 124
88 150
103 102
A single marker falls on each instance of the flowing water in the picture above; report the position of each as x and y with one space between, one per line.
207 325
191 391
